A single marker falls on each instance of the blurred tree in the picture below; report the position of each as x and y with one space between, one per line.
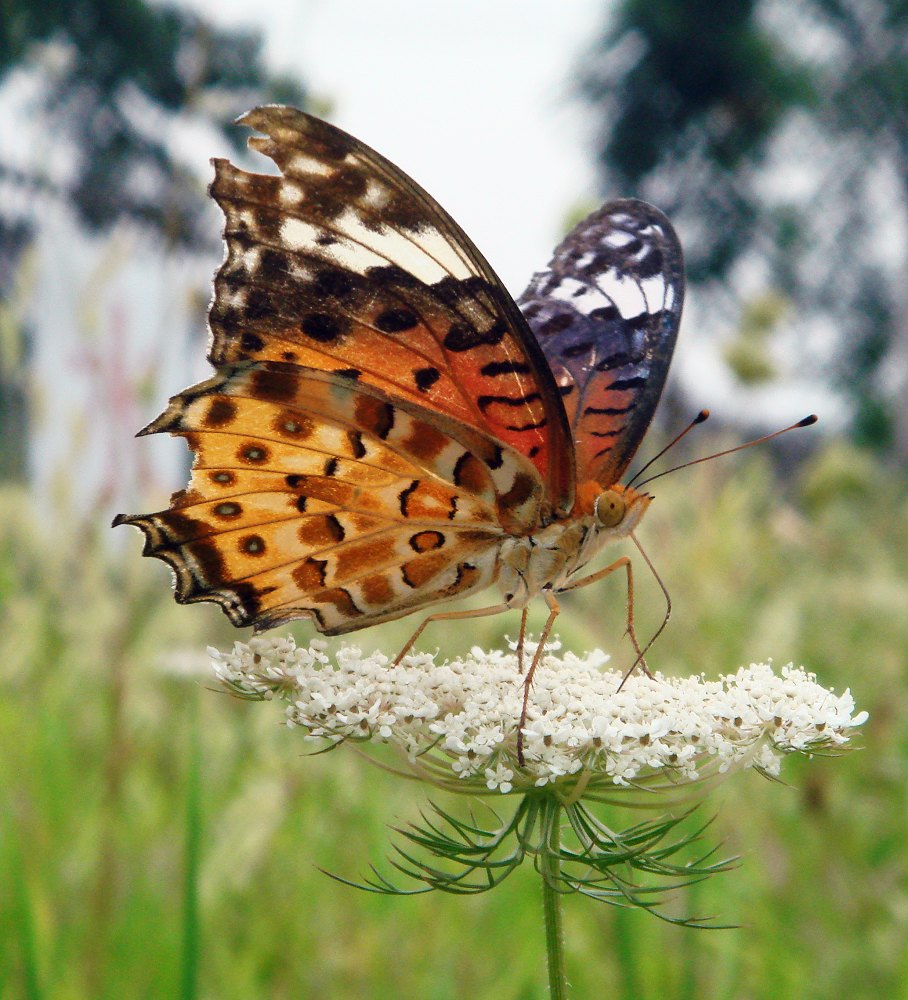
118 67
775 134
114 74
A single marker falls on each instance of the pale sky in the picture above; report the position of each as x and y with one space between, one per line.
473 99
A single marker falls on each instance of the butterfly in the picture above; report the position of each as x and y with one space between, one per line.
387 429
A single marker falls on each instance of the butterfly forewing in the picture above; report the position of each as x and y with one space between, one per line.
606 312
343 263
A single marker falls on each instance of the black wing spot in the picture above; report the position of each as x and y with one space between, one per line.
227 510
527 427
461 337
483 402
252 545
259 304
273 265
255 454
396 320
252 343
426 377
609 411
619 360
555 325
426 541
323 327
334 283
220 413
642 321
334 528
651 264
494 368
404 496
356 443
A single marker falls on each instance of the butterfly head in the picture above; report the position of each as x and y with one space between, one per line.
617 510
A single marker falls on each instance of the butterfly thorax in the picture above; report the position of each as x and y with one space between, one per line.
552 555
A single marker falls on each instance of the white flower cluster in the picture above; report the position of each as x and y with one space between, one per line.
458 719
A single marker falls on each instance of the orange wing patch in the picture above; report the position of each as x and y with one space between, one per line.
312 496
344 264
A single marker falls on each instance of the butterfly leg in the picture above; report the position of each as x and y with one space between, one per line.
521 637
554 609
439 616
625 563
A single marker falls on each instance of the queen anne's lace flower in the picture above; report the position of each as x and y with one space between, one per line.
457 720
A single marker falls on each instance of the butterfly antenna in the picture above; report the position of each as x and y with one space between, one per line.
668 610
698 419
806 422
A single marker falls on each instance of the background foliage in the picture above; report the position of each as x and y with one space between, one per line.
156 832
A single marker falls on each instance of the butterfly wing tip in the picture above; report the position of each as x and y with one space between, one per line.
165 422
122 519
263 115
246 117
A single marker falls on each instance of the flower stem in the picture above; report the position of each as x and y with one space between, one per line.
550 869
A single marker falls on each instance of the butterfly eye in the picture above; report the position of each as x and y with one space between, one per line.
609 508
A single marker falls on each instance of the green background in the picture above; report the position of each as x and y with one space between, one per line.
161 839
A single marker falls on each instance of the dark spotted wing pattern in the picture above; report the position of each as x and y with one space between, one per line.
606 312
343 263
314 496
383 427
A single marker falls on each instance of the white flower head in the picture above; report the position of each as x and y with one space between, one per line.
455 721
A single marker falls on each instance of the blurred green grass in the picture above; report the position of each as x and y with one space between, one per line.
159 839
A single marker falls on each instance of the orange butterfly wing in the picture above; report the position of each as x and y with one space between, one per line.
312 496
343 263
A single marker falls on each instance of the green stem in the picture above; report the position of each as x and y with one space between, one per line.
550 869
189 972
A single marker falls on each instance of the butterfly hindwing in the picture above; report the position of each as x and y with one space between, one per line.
314 496
343 263
606 312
